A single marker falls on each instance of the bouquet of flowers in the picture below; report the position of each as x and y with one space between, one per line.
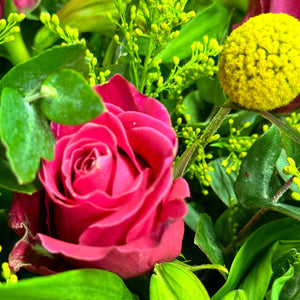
149 149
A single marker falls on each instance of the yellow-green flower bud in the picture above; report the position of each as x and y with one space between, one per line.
174 281
259 67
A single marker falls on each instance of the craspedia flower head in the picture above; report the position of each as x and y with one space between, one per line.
259 67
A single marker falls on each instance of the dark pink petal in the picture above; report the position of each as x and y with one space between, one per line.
134 259
120 92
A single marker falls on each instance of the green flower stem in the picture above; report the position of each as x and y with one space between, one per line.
146 64
190 154
17 51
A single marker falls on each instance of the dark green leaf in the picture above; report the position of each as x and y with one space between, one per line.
8 180
69 99
27 77
25 134
279 283
222 183
252 186
205 239
77 284
211 22
291 290
254 247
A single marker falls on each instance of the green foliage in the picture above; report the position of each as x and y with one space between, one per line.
77 284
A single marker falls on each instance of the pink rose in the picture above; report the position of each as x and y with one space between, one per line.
20 5
290 7
110 199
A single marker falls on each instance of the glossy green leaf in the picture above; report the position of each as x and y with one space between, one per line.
205 239
173 281
252 249
81 284
257 281
193 215
222 183
211 22
257 170
71 99
236 295
25 134
27 77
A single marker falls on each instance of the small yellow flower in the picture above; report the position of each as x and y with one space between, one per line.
259 67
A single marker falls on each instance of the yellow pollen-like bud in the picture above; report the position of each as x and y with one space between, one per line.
259 67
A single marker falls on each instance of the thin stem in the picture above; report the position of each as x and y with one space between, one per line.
190 154
282 190
146 64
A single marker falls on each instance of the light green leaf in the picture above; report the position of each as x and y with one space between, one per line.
81 284
25 134
71 99
211 22
236 295
252 249
173 281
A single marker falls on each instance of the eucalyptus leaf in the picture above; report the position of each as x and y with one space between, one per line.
254 247
27 77
81 284
25 134
205 239
211 21
71 100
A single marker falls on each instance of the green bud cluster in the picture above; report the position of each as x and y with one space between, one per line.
9 27
187 135
293 120
292 169
69 35
202 63
237 146
157 21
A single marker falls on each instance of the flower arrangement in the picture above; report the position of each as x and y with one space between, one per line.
149 149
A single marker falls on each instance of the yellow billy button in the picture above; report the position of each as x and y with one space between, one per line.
259 67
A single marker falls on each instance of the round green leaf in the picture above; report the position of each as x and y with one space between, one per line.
69 99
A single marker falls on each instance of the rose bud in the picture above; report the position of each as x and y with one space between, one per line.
259 67
109 198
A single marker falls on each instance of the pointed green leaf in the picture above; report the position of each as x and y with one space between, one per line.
205 239
222 183
81 284
257 170
25 134
71 99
